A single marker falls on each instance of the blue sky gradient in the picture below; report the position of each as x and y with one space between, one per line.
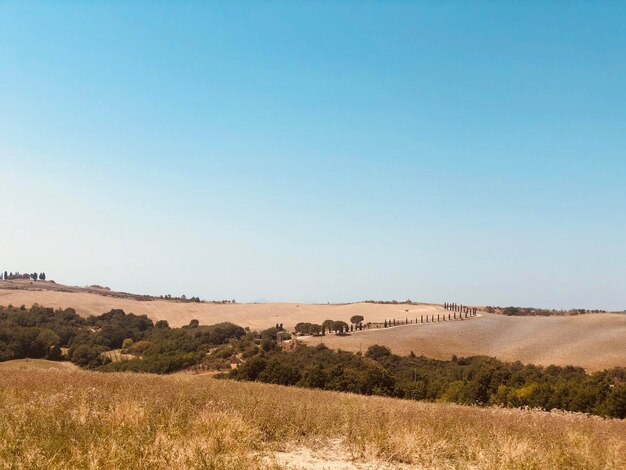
318 151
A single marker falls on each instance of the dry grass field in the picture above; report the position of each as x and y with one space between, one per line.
85 420
592 341
41 364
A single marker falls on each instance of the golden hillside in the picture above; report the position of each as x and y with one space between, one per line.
59 420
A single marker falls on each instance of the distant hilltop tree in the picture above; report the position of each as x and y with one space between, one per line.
182 298
12 276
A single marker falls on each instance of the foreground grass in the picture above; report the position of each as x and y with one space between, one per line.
58 420
22 364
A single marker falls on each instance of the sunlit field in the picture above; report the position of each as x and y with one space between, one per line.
23 364
60 419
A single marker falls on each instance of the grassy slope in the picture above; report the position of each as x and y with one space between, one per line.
58 420
23 364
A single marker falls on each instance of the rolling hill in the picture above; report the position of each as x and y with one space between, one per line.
592 341
94 301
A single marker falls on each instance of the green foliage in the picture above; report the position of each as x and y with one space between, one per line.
116 326
531 311
127 344
308 328
356 319
473 381
327 325
378 352
167 350
31 333
88 355
42 332
54 353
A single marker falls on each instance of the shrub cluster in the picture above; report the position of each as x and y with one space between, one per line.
476 380
41 332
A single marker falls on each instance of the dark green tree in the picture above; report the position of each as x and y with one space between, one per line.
356 319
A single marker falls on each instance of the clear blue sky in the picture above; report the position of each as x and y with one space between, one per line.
318 151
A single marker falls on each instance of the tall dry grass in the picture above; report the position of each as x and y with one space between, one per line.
61 420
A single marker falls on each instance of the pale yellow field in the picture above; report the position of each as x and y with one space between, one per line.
255 316
592 341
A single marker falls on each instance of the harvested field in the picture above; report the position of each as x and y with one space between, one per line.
592 341
58 420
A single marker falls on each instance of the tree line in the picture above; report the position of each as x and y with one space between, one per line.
330 326
471 381
10 276
531 311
